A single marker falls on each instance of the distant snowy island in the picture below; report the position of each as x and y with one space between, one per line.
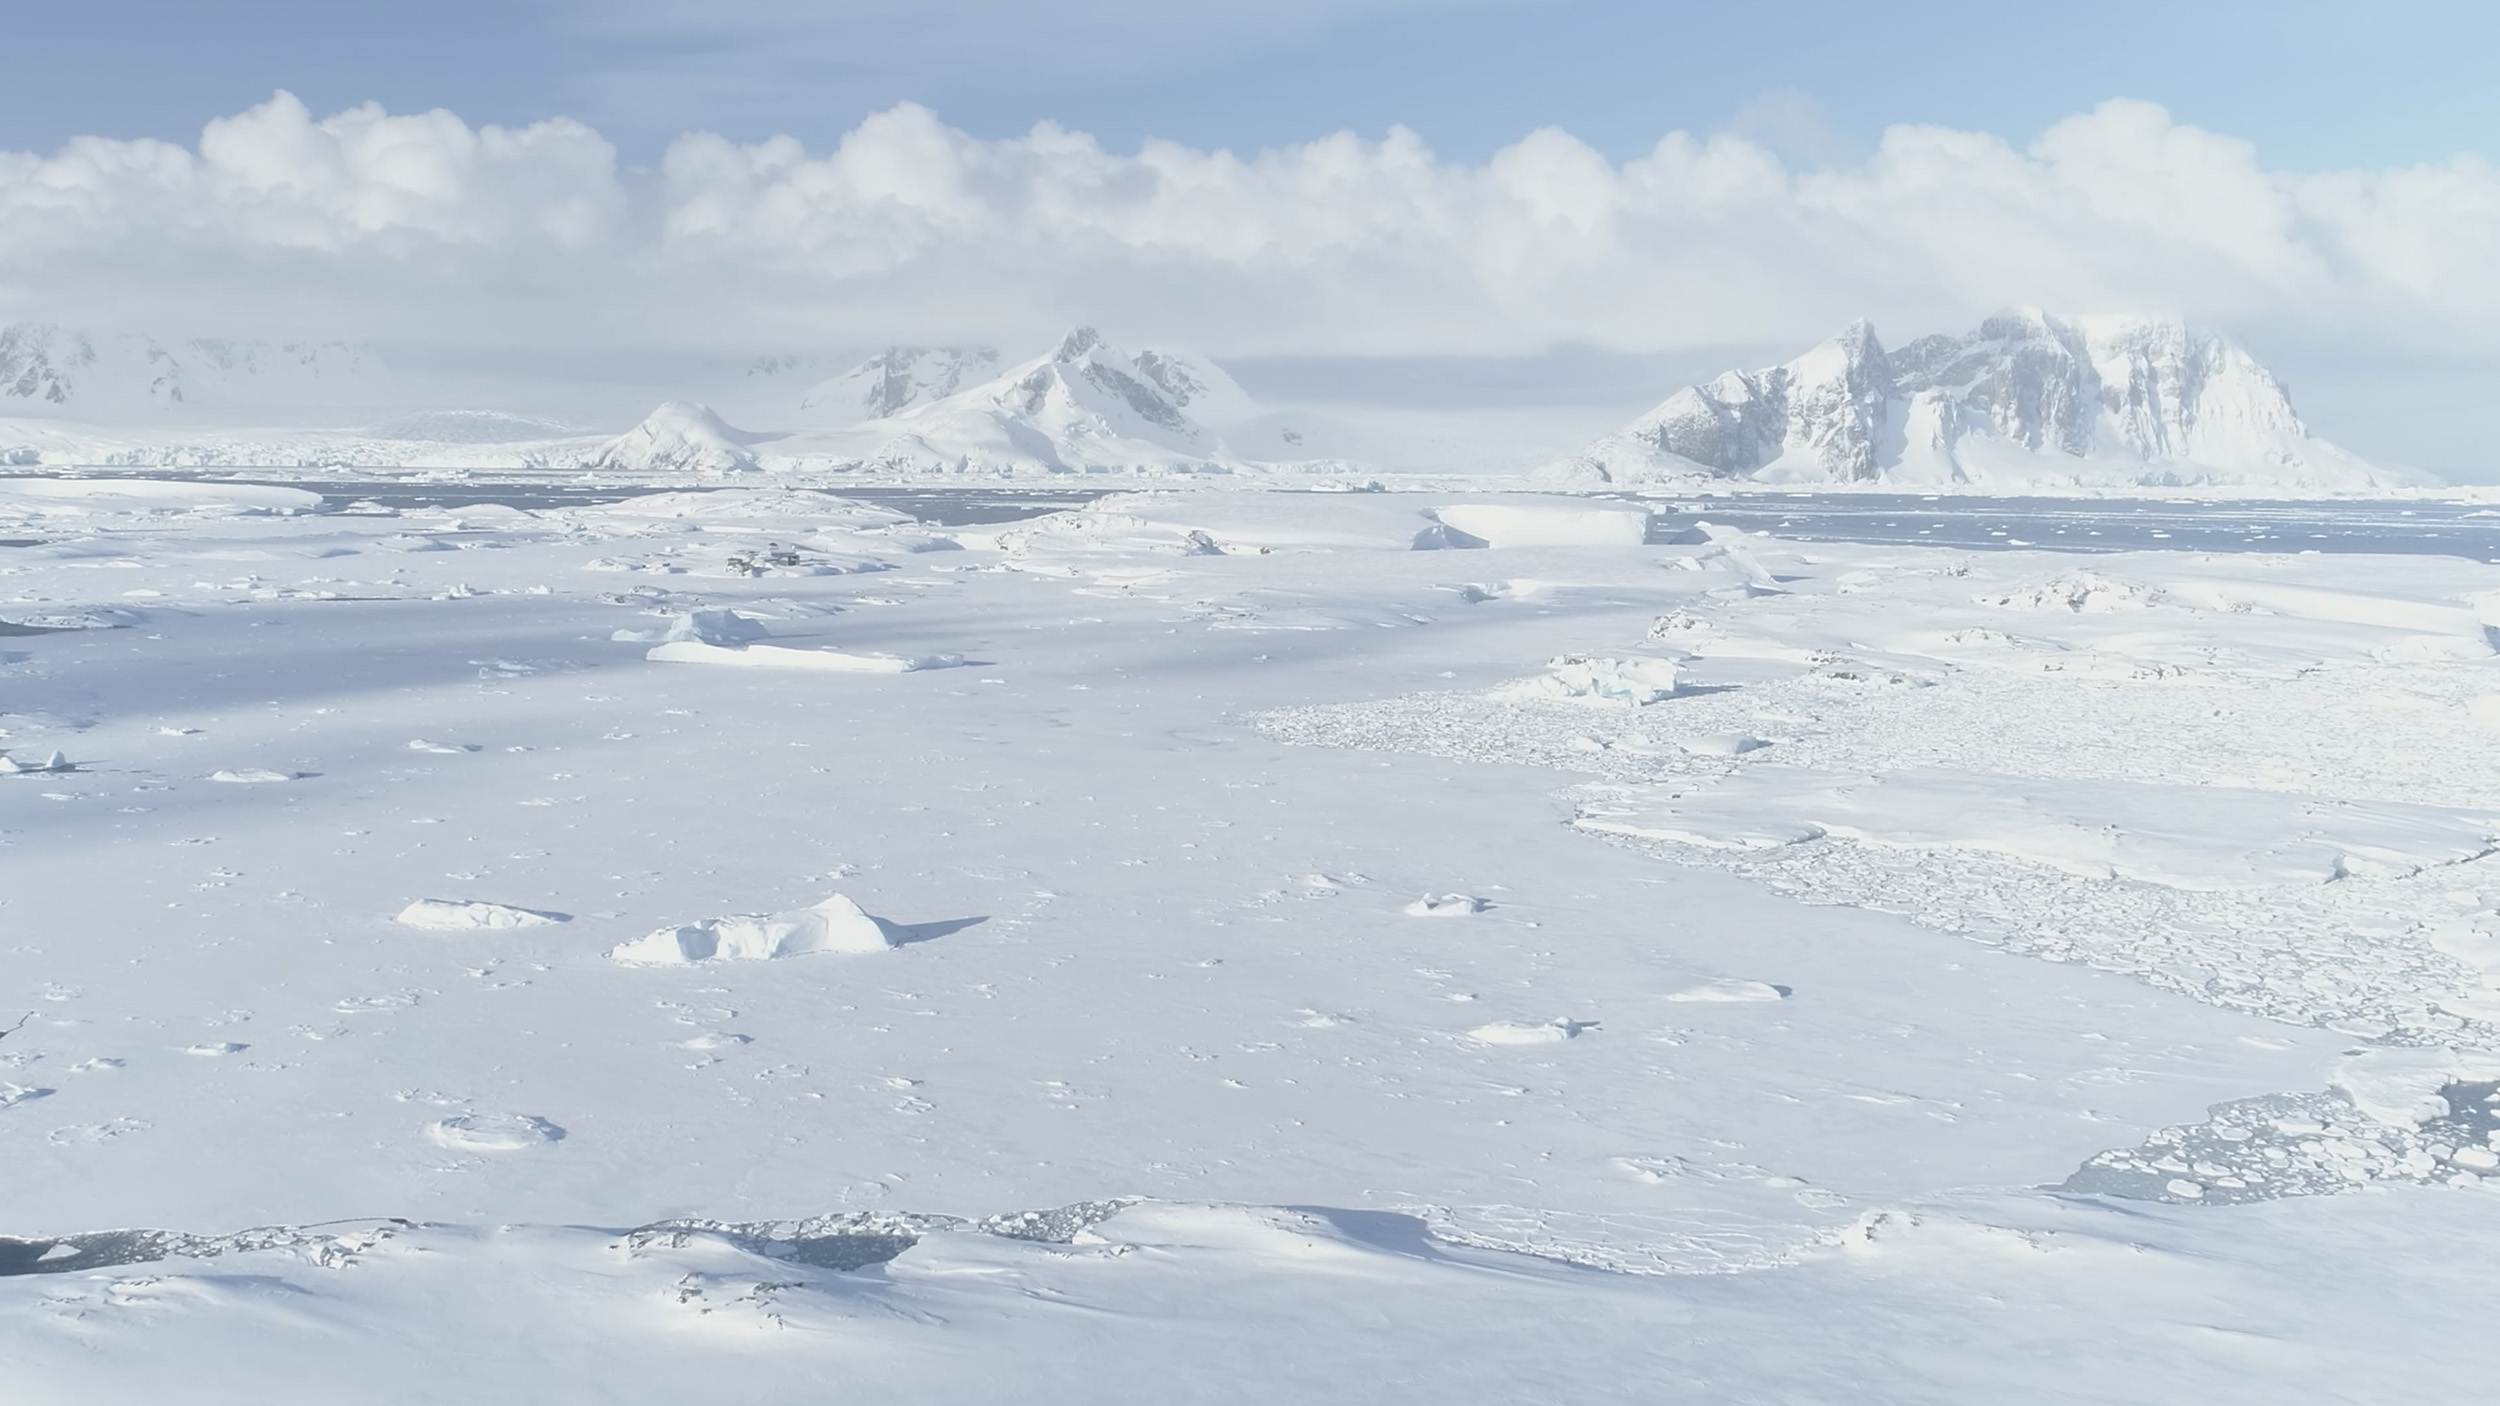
2028 402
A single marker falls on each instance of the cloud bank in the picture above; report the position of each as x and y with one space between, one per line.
366 224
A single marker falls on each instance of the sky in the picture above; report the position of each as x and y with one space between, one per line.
2312 84
1293 178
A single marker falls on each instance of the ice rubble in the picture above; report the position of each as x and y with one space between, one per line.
1635 682
2191 837
837 924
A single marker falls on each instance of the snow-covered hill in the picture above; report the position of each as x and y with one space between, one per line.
2029 400
678 438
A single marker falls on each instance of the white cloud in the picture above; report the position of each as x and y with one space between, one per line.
369 224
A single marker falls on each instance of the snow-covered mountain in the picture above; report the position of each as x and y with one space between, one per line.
1085 406
51 371
2030 399
680 437
895 380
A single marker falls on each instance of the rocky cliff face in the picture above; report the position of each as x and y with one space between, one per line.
2028 399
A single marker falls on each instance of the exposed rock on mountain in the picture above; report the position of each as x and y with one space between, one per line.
2028 400
896 379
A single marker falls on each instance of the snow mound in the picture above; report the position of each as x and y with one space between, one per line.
1528 523
1731 991
1588 678
835 925
2184 837
457 915
678 437
770 656
493 1132
1448 905
446 749
1513 1032
726 628
250 775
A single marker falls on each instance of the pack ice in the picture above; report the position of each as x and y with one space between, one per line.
1889 973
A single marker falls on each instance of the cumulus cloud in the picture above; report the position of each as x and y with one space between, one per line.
369 224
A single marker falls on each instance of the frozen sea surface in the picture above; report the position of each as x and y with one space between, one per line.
1233 946
2470 530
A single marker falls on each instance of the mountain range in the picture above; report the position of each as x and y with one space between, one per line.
2028 401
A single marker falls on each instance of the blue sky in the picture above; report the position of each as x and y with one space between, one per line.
2314 85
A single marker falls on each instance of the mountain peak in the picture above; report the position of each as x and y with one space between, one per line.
1080 343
